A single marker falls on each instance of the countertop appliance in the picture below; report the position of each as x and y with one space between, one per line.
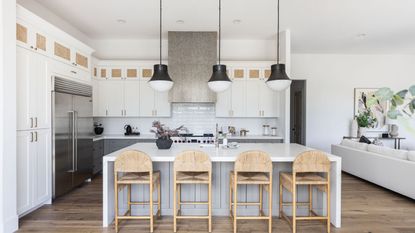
72 135
129 131
206 138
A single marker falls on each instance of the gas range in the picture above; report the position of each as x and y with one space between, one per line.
206 138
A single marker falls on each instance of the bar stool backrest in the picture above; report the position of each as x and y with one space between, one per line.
133 161
192 161
253 161
311 161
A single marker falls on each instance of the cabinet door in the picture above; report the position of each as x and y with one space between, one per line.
131 98
25 159
41 167
239 98
224 103
25 82
252 98
95 98
147 99
104 88
62 52
114 96
81 60
162 105
41 92
269 101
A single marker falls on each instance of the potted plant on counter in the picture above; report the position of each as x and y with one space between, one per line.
164 134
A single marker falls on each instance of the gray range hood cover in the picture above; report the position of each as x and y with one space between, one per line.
191 57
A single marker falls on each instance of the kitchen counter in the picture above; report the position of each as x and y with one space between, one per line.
151 136
281 154
122 136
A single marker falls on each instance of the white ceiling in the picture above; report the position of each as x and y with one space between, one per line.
317 26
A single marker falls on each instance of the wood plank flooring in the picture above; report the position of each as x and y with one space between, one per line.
367 208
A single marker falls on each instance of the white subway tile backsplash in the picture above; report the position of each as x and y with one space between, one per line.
198 118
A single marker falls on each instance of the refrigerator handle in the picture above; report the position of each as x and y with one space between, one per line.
73 140
76 139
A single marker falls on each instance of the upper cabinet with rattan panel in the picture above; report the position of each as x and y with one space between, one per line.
39 36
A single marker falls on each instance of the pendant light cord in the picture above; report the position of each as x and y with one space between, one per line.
278 32
220 28
160 30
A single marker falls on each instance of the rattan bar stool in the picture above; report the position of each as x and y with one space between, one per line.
192 167
311 168
135 168
251 167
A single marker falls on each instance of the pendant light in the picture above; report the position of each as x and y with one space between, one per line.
161 80
219 81
278 80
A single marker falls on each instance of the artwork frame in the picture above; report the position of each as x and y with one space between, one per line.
379 110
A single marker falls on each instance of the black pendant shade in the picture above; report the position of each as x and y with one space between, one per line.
278 73
161 73
219 74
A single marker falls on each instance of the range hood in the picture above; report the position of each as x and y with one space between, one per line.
191 57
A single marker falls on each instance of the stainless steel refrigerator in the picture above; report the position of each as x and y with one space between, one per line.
72 135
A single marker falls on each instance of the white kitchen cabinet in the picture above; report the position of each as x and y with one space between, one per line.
131 98
248 98
269 101
33 169
153 103
95 97
117 98
252 98
111 98
238 98
162 105
224 103
33 90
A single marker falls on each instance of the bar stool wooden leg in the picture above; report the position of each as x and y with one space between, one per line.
235 201
158 199
260 199
151 205
174 205
270 205
294 206
281 198
310 199
210 202
129 199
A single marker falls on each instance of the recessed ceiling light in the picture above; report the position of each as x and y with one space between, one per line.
180 21
361 35
121 21
237 21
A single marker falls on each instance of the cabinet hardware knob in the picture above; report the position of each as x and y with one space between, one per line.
35 136
31 122
31 136
74 72
35 122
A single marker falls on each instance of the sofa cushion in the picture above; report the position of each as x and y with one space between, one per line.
399 154
354 144
411 156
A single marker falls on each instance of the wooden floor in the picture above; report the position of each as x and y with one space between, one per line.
366 208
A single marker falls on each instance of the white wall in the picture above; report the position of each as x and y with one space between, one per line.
331 79
8 213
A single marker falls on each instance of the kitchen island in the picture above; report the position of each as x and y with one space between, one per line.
281 154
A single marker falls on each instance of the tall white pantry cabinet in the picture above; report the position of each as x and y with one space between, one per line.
39 56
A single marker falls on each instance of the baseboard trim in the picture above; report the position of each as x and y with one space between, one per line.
11 225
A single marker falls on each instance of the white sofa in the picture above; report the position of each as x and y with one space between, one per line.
389 168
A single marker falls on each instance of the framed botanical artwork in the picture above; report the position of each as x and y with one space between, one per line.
378 110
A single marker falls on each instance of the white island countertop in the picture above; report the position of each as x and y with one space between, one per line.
279 152
152 136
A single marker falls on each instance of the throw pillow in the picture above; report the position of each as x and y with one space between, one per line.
365 140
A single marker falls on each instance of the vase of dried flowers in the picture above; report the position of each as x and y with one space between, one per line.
164 134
